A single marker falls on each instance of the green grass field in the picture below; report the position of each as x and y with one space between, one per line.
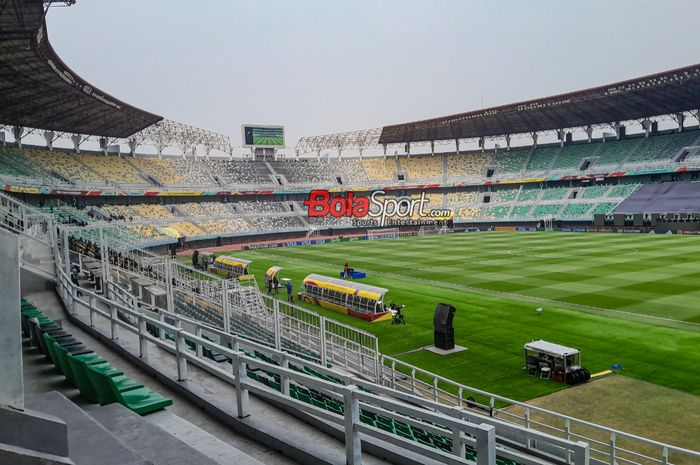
625 299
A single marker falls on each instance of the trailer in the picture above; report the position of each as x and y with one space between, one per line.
553 361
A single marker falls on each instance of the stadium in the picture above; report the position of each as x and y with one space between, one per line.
512 285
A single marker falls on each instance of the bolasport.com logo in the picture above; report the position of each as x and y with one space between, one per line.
377 209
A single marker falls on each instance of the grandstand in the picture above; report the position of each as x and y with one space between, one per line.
129 328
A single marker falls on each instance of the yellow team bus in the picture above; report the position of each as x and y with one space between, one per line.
230 267
354 299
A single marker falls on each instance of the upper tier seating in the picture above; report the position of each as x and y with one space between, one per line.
604 208
239 171
352 170
664 146
511 161
305 170
423 167
467 164
163 171
380 169
467 213
193 172
546 210
541 158
66 165
613 152
521 211
13 163
112 168
572 156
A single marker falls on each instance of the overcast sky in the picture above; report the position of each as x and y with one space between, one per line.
322 66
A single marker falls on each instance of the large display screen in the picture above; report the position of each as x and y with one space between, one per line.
263 136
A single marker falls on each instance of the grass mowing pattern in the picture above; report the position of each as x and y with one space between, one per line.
646 275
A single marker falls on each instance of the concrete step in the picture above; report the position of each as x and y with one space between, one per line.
156 440
196 437
89 442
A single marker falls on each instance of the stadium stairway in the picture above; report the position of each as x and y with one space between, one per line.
112 434
272 433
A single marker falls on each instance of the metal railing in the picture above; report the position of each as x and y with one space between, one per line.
608 445
487 437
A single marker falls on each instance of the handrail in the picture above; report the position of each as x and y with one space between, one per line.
485 441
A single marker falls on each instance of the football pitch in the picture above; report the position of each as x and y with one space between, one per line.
622 299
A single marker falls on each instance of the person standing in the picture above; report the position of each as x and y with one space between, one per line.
346 271
290 295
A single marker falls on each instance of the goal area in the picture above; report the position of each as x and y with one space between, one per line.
432 230
376 234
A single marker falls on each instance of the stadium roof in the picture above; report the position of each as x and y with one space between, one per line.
664 93
38 90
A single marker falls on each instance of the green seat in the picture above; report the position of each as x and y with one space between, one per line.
77 364
62 352
141 400
106 380
65 340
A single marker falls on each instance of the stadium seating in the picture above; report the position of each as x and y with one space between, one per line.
423 167
546 210
511 161
504 195
576 209
13 163
572 156
613 152
380 169
529 194
66 165
467 213
521 211
162 171
196 173
462 198
664 146
114 169
352 170
623 190
305 170
594 192
555 193
495 212
541 158
467 164
604 208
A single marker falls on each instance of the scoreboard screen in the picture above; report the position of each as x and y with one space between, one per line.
263 136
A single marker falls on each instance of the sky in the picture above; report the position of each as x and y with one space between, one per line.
325 66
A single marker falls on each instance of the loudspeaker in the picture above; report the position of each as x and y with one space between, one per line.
599 219
445 340
444 313
619 219
638 219
218 241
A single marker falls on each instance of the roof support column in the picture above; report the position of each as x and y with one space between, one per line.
696 114
48 137
408 149
589 133
360 153
646 125
534 139
508 141
18 134
132 146
384 145
77 140
680 119
560 135
159 149
457 145
482 144
207 150
432 147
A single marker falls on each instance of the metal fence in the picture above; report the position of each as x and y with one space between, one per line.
480 434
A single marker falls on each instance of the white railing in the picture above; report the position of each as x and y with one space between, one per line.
608 445
487 437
